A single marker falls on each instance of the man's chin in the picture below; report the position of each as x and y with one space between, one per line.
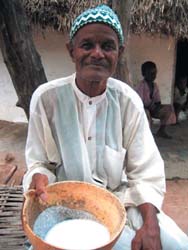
96 77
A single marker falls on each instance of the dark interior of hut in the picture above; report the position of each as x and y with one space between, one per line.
182 58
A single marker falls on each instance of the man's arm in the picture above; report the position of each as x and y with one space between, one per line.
144 165
37 158
146 179
39 183
148 236
41 153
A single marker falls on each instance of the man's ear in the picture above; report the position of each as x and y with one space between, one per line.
70 49
121 50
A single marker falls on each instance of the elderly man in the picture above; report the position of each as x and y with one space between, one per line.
93 128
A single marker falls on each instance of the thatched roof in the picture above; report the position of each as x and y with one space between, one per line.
169 17
58 14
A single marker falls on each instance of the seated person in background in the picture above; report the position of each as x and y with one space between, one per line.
149 93
181 95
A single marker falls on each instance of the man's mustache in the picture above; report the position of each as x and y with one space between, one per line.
98 63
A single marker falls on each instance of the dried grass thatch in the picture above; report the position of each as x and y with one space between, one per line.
169 17
58 14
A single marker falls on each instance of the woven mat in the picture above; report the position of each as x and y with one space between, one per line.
11 233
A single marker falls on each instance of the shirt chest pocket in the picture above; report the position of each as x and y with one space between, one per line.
113 166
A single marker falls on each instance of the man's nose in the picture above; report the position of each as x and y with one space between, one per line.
97 52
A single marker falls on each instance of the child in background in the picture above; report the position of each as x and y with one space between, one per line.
181 98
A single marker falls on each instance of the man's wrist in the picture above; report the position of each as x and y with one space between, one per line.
148 211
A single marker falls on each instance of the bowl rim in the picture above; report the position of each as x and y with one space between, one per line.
29 231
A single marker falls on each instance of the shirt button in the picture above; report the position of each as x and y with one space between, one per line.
90 102
89 138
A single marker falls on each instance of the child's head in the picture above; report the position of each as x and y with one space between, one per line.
149 71
181 82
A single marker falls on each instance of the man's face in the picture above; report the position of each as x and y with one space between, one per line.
95 52
150 74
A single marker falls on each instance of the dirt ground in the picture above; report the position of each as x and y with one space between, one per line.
174 151
12 145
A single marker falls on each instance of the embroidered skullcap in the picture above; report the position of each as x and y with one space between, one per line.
100 14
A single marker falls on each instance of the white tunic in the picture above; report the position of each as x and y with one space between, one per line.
105 140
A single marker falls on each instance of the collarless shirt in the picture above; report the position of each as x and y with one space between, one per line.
105 140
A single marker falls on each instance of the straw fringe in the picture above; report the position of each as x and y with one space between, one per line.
58 14
169 17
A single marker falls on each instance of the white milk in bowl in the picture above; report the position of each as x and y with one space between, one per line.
76 234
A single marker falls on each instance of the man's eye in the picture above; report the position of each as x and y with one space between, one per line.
108 46
87 46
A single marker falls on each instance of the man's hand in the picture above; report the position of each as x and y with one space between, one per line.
148 236
39 183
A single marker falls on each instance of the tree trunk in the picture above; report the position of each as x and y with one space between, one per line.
19 53
123 9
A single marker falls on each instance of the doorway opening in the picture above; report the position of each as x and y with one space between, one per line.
181 81
182 58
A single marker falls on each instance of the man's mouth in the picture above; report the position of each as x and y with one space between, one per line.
98 65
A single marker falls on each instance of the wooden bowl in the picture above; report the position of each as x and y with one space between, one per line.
99 202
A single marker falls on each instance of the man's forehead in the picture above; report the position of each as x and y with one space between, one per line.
96 32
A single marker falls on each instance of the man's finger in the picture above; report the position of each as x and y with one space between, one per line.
39 183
